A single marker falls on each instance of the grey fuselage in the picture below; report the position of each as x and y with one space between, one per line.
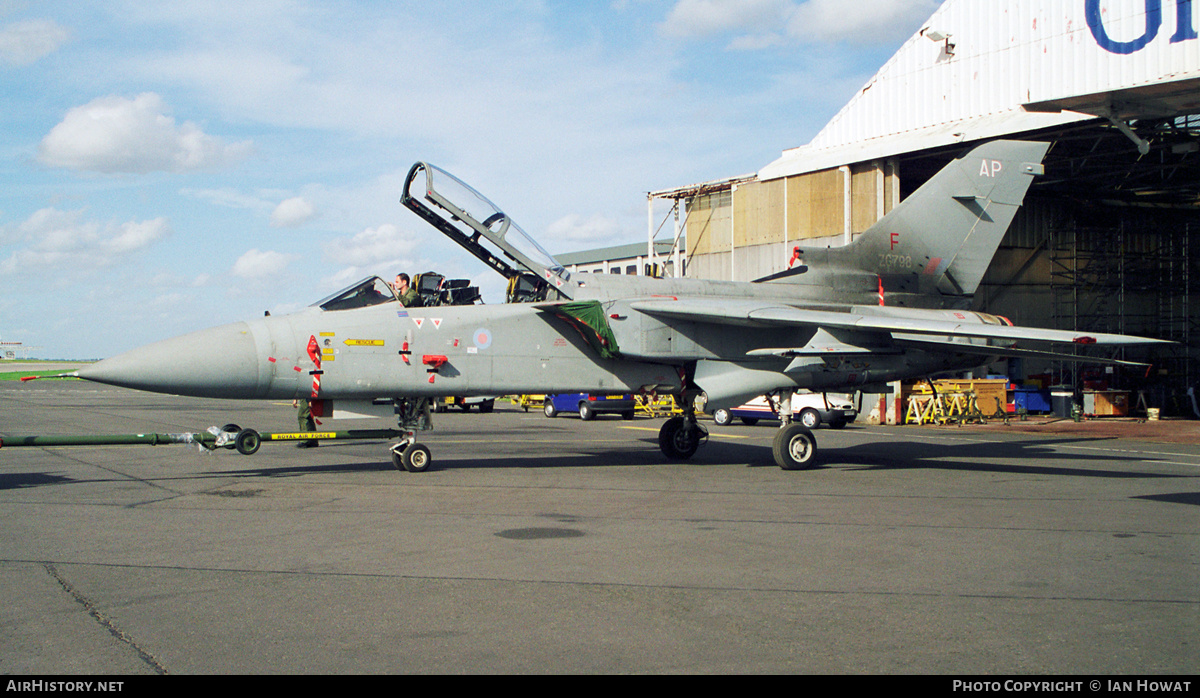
388 351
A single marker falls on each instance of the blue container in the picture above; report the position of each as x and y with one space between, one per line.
1032 399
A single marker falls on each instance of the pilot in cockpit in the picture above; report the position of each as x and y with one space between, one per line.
408 295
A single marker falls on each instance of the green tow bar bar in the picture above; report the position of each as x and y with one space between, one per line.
245 441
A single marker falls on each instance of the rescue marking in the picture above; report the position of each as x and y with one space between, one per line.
363 342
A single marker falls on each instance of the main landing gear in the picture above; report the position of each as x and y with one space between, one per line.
794 446
679 437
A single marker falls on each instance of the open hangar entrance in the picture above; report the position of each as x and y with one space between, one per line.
1107 241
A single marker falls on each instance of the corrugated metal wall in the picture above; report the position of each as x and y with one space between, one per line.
1006 54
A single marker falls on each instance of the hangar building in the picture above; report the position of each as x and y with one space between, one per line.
1106 240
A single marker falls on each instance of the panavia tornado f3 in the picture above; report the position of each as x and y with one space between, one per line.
886 307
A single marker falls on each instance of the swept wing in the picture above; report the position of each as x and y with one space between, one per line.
901 324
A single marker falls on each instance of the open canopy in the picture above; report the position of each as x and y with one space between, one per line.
479 226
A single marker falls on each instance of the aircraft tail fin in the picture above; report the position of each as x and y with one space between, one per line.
940 240
943 237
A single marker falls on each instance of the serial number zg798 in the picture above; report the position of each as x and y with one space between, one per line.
891 261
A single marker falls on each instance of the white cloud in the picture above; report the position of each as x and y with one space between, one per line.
22 43
115 134
386 244
229 198
292 212
598 230
259 264
64 240
344 277
762 23
384 251
703 18
135 236
867 21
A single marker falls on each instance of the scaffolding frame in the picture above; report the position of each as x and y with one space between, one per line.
1134 276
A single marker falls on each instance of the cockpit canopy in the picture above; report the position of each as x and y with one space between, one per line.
432 288
480 227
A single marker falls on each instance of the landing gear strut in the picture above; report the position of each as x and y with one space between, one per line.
413 415
794 447
681 436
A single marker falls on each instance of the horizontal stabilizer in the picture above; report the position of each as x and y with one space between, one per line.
982 350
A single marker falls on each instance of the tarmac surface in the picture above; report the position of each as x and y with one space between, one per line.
562 546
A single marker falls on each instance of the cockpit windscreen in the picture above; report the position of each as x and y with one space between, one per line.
370 291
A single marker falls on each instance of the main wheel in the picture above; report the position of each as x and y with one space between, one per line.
794 448
722 417
676 441
247 442
487 405
586 412
416 458
548 408
810 418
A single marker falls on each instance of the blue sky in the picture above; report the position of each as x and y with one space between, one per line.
166 167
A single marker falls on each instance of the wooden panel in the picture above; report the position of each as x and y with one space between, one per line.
708 224
815 204
864 197
758 213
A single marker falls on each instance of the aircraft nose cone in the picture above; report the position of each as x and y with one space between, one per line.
218 362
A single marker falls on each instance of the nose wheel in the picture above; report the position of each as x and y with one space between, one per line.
411 456
412 415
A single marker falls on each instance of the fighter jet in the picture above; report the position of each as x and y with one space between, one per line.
887 307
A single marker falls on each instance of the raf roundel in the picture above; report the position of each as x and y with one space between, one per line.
482 338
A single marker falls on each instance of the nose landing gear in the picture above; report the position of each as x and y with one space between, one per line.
413 415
